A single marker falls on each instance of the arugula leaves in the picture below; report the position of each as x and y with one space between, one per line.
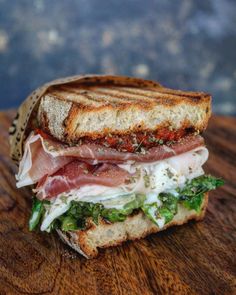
192 194
76 216
36 214
169 206
167 210
191 197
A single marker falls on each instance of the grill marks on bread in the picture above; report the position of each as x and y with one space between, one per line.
69 112
99 96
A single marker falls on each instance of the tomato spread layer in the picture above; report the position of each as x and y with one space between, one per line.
133 142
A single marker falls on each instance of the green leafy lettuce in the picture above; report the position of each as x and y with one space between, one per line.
191 197
192 194
36 215
167 210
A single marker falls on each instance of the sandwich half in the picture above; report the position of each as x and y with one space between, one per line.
112 158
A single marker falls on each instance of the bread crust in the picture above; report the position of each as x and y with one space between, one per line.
67 118
66 123
21 126
137 226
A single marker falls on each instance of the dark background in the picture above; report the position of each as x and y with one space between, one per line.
189 44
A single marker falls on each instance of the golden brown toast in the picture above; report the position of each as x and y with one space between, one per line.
69 112
129 105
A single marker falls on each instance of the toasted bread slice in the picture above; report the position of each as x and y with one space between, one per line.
69 112
137 226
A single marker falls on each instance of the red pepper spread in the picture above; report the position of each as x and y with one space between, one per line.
133 142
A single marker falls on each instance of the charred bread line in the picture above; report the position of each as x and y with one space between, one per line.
136 226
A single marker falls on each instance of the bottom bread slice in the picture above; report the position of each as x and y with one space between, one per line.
135 226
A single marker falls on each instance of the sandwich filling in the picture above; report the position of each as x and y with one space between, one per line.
104 179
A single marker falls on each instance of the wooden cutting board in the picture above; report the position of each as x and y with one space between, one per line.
196 258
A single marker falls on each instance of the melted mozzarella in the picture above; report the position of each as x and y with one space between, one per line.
167 174
52 212
150 179
152 198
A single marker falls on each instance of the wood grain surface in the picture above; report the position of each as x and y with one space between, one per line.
196 258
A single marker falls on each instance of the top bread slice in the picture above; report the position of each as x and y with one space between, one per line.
69 112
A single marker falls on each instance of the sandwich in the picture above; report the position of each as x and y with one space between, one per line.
111 158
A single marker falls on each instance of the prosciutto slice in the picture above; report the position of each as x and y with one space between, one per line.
44 157
77 174
98 153
38 162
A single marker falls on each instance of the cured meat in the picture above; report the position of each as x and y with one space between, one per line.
44 156
77 174
37 162
98 153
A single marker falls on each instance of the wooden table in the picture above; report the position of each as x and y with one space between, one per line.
197 258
